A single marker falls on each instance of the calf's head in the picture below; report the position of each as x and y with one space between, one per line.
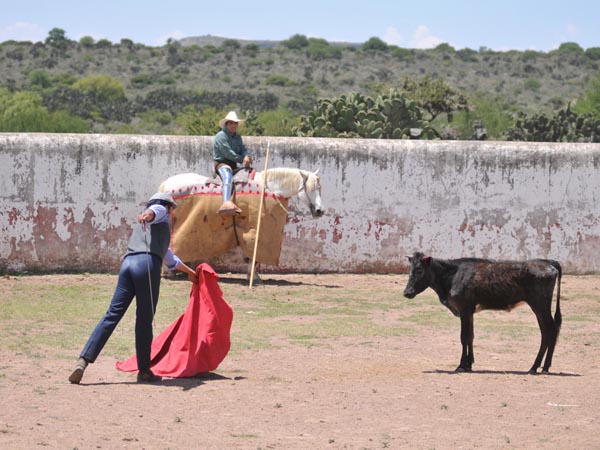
419 274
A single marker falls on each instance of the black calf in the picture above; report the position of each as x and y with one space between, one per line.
469 285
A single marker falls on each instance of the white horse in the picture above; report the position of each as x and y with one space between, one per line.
191 223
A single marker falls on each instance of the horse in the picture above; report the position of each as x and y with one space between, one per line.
199 233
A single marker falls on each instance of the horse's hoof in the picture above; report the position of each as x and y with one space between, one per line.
462 369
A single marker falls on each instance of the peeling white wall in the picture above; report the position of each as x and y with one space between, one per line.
67 202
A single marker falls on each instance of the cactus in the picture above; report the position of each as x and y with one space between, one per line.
565 126
388 116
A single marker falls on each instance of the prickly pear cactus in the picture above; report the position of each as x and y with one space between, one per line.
388 116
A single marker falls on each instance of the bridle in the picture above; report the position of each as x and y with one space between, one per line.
303 188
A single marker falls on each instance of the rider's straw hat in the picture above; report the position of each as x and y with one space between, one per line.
230 117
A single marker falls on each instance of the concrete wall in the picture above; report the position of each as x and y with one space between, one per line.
67 202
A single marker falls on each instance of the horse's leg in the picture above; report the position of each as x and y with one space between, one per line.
249 272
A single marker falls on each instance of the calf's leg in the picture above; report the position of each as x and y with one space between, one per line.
466 339
552 330
546 324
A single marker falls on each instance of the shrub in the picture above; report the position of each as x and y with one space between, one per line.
278 80
320 49
444 47
103 43
86 42
532 84
297 41
593 53
39 78
374 44
141 80
231 44
403 54
278 122
102 87
570 48
251 50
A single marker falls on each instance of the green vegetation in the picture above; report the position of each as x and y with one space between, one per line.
564 126
387 116
99 86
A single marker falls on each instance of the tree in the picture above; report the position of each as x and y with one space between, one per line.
39 78
231 44
444 47
320 49
86 42
590 102
194 123
57 39
593 53
206 123
297 41
278 122
572 48
374 44
435 96
102 87
24 112
492 111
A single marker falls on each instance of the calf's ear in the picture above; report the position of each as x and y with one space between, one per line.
409 258
426 260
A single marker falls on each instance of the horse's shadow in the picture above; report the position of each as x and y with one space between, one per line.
271 282
501 372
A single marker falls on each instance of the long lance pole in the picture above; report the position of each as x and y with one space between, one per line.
262 197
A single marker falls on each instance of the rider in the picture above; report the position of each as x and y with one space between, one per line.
229 151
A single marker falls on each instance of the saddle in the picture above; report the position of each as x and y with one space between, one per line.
240 175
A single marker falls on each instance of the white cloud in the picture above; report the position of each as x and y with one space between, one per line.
424 39
162 40
22 31
392 36
572 30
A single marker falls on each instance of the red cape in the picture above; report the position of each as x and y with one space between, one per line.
199 339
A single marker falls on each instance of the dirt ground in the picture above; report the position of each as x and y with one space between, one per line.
397 392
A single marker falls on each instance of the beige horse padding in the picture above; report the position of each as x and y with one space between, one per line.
200 233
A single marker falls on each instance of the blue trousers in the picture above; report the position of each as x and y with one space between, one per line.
133 282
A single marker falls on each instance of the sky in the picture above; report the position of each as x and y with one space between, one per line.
499 25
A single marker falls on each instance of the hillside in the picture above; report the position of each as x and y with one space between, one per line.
264 75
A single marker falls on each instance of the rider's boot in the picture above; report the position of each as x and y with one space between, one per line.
228 208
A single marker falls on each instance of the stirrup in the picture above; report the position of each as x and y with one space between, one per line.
229 208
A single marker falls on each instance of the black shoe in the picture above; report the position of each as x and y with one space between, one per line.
146 376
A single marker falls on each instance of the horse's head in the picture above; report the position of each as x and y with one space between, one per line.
310 192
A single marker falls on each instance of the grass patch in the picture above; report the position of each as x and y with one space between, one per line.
57 313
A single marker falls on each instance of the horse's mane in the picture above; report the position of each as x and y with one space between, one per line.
289 179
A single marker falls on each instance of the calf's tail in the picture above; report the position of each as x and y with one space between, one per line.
557 314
